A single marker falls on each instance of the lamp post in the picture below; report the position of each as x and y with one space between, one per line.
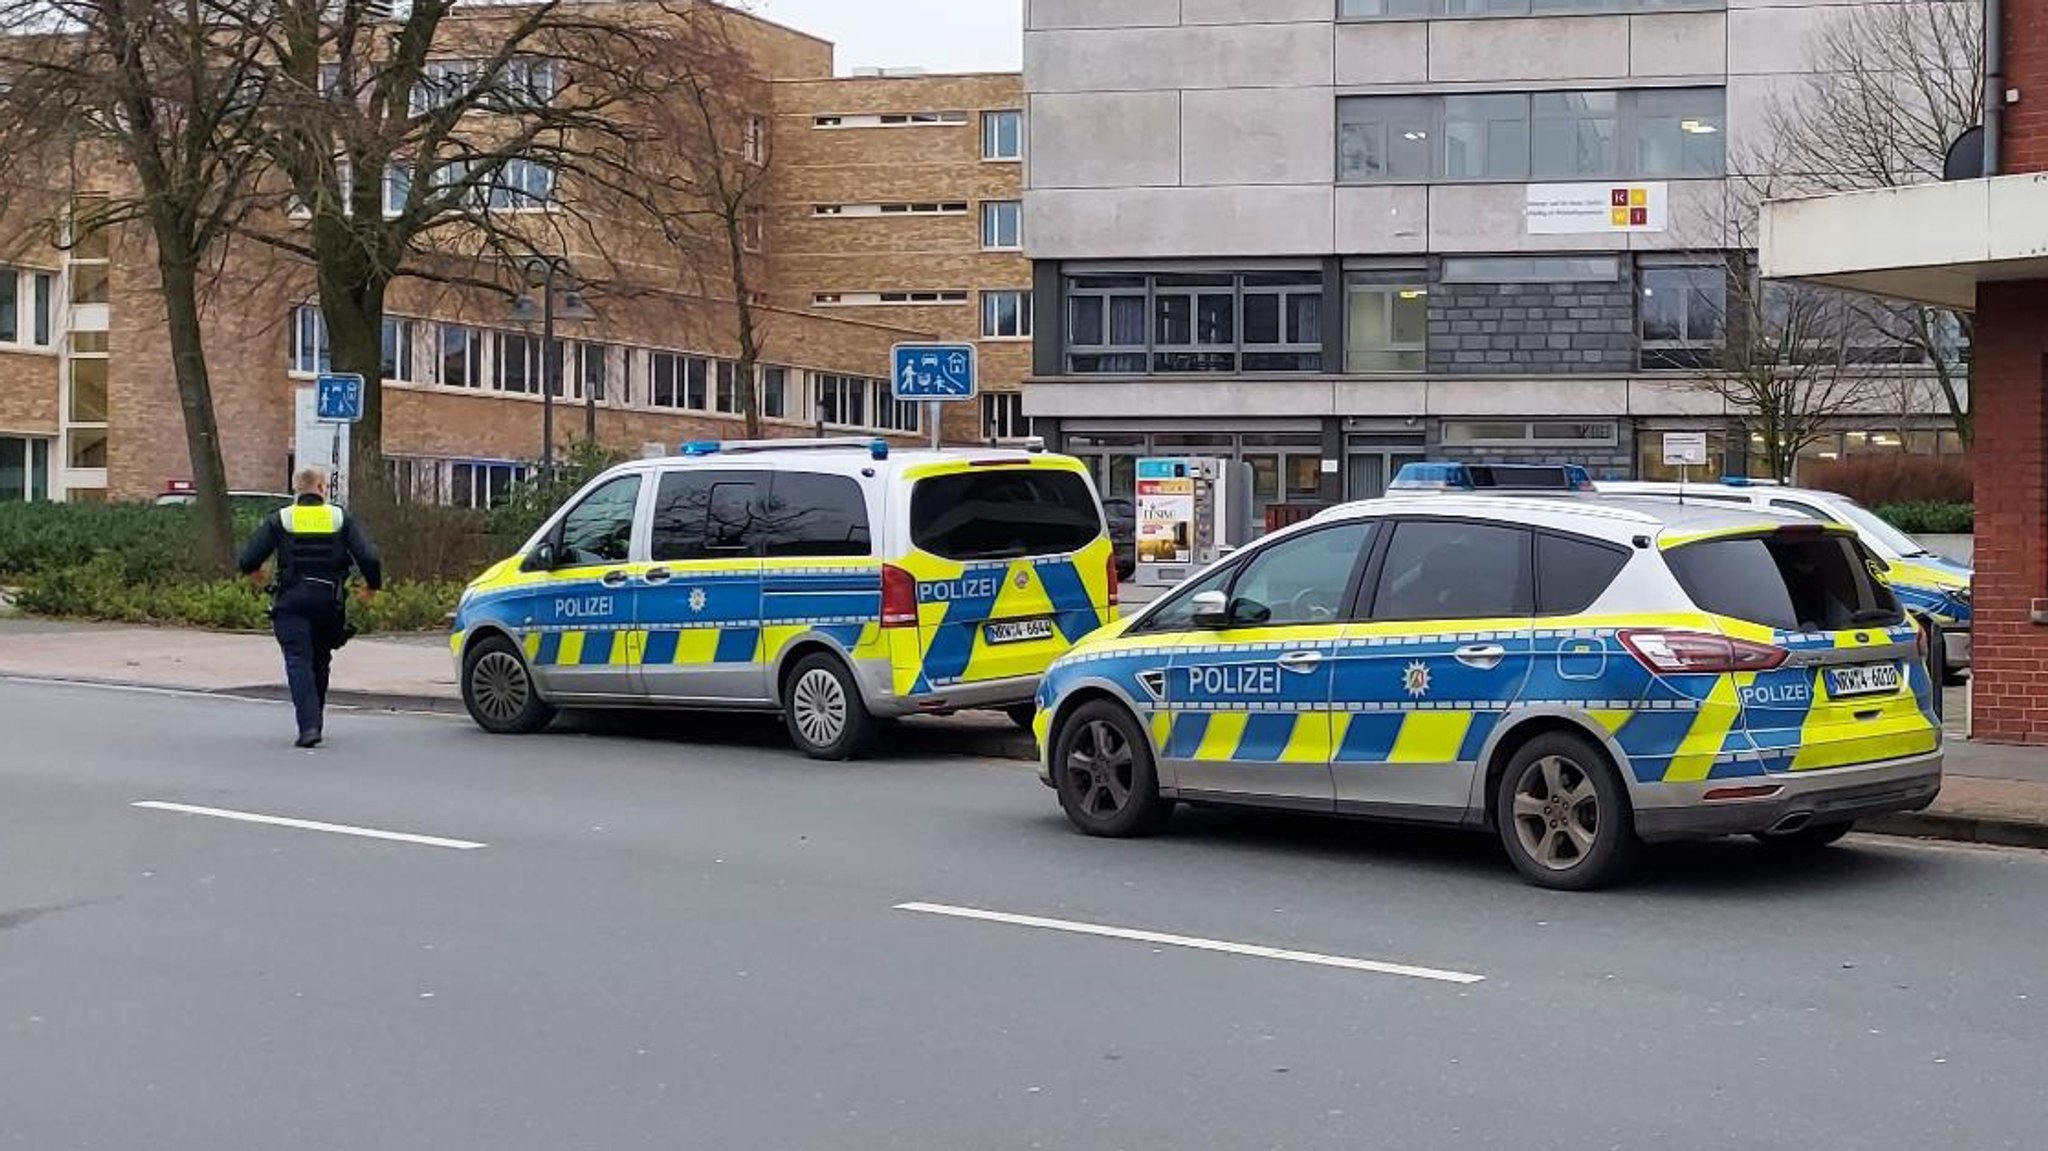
543 272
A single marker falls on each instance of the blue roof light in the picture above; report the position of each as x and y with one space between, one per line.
1432 478
701 448
1454 477
879 449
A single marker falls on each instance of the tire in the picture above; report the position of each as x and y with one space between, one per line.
1104 772
1022 715
1812 837
498 689
824 711
1564 816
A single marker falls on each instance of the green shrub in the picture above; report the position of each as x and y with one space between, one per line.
407 605
98 589
1900 478
1931 517
533 501
95 589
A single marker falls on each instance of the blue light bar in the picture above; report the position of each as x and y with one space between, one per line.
879 449
701 448
1454 477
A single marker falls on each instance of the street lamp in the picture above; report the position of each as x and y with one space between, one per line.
544 272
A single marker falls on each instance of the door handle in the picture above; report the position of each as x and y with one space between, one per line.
615 579
1301 662
659 576
1484 656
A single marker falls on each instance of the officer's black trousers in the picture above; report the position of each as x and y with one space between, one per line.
307 621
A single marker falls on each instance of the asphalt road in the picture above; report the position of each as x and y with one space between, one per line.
686 944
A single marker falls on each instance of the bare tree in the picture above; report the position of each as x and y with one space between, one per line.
159 92
707 167
422 141
1889 88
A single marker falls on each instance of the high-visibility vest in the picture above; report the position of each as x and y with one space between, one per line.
313 546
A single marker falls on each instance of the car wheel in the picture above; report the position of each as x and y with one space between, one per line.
1103 768
1564 815
1812 837
498 689
823 707
1022 714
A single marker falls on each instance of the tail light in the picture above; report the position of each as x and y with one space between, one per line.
1115 585
899 597
1699 653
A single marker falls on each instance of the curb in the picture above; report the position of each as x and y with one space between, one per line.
359 700
1958 828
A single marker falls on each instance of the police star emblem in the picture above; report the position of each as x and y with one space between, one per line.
1415 679
698 599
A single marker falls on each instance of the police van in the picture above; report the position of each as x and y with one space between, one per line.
1934 588
838 581
1579 674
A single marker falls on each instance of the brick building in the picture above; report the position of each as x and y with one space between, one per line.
1980 245
88 409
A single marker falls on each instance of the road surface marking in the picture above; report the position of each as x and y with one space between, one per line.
1252 949
311 825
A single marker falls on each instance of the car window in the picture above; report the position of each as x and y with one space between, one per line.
1300 580
811 514
1442 570
1807 510
1003 513
1177 611
600 529
706 513
1808 583
1571 572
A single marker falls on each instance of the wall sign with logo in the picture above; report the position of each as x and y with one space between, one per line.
1584 209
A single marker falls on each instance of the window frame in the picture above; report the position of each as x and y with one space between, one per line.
1348 10
992 122
1199 358
1687 351
991 316
1391 281
1635 113
992 212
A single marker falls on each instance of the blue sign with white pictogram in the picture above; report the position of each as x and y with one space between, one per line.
935 371
340 399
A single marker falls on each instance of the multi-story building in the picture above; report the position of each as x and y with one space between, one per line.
890 214
1327 237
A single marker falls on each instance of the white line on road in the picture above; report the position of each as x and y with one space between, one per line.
1252 949
312 825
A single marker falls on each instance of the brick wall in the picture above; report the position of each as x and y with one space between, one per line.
2010 657
1533 329
28 392
2026 68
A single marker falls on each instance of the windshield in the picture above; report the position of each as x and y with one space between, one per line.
1883 537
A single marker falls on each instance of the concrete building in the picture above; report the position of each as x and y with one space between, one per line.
890 215
1979 245
1328 237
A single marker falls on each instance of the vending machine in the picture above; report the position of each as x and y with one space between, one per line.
1191 511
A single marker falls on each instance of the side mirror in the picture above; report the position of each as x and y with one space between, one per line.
1212 609
541 558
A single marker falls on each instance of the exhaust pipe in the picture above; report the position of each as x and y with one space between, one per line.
1791 823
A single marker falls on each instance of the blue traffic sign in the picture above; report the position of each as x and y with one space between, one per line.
340 399
935 371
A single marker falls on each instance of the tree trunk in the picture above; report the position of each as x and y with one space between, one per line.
750 345
179 270
352 303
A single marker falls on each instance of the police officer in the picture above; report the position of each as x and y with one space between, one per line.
315 545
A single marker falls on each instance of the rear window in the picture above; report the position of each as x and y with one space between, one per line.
1807 583
1002 513
1571 573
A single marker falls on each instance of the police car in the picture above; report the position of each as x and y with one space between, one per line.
1935 589
837 581
1579 674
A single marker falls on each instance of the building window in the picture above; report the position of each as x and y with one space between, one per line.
1002 416
311 354
521 185
892 414
1206 323
1386 321
886 299
44 293
593 367
1531 433
754 145
1002 225
24 469
889 120
726 396
774 392
754 229
1685 315
1002 135
400 341
899 208
1510 136
1423 9
482 485
10 306
1531 269
682 382
461 354
515 363
1005 315
25 301
843 400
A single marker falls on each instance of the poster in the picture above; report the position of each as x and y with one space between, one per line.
1166 512
1578 209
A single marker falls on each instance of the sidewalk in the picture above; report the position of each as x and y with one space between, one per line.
1992 793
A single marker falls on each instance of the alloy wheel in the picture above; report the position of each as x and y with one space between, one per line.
1556 812
818 704
1100 769
499 686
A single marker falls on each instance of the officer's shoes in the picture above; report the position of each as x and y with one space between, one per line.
308 739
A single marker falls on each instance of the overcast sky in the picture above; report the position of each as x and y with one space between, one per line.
936 35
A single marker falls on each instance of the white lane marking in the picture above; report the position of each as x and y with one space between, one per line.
1252 949
130 688
311 825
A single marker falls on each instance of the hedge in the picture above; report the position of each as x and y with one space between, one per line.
98 589
1931 517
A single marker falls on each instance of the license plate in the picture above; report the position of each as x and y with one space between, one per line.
1863 679
1018 630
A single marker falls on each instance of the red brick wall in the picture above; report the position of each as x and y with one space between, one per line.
2026 68
2010 397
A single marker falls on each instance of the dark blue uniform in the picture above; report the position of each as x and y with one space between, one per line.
315 545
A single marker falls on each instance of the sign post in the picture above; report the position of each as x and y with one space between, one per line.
338 399
937 374
1686 451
